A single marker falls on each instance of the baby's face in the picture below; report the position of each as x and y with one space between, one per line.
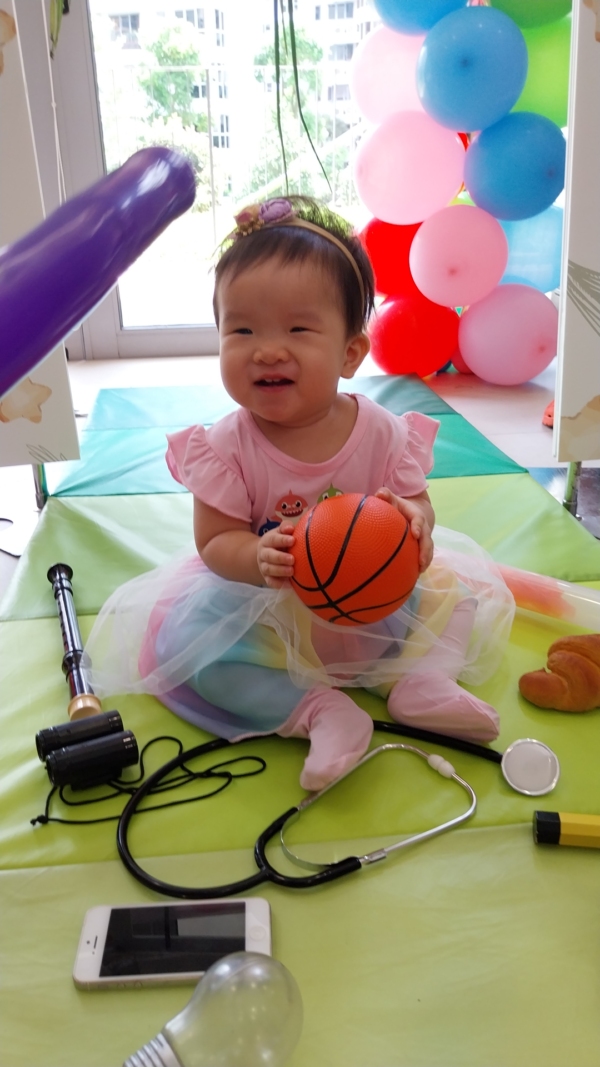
283 341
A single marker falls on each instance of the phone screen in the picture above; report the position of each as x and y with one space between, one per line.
176 938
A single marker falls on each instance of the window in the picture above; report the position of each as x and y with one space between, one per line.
341 52
221 140
220 26
125 28
318 12
222 83
338 92
193 15
163 304
341 11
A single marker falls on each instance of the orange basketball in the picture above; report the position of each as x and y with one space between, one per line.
356 559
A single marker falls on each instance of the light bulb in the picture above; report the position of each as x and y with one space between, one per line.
246 1011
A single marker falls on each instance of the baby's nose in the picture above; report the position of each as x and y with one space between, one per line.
270 354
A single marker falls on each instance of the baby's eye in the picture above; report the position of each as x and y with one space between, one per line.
243 329
298 329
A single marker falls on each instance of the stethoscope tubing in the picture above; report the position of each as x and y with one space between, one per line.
266 872
130 809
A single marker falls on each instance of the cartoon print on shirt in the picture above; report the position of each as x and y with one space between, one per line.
290 508
329 493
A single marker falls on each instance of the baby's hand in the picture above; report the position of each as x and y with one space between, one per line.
275 564
419 526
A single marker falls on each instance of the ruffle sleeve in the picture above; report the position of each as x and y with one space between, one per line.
407 477
194 463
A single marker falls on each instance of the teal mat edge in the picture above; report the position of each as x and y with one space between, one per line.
123 444
142 406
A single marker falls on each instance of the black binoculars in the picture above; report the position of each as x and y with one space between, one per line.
87 752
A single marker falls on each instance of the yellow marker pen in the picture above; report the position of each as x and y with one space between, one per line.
564 828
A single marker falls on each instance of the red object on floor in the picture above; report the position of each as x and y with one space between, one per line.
548 416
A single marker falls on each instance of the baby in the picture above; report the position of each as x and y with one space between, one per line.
221 637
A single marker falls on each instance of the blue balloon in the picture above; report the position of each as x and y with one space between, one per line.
472 68
53 277
535 250
516 168
415 16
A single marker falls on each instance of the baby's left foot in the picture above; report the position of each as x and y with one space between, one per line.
339 733
433 701
317 773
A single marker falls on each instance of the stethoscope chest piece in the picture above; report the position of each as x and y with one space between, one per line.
530 767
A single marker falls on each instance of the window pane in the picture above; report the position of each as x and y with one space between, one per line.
177 78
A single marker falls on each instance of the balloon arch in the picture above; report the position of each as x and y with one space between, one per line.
461 172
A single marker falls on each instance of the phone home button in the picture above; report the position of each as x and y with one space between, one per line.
257 933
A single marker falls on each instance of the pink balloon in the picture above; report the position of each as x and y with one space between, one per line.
408 168
383 74
509 336
458 255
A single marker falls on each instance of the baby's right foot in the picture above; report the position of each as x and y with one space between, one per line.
433 701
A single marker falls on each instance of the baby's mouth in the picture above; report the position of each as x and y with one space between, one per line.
273 383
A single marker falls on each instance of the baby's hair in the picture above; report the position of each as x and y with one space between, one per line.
296 244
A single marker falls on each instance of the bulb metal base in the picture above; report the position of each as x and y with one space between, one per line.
157 1053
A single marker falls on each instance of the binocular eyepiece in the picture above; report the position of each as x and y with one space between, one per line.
87 752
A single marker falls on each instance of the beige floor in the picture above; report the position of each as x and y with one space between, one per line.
508 416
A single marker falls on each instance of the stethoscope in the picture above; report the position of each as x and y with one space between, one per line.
528 766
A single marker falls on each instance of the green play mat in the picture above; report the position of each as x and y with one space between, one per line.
475 950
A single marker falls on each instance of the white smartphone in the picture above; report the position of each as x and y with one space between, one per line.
154 944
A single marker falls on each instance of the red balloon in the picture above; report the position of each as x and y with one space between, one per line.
412 335
387 246
459 364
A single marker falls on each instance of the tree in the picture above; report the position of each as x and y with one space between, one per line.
171 87
268 174
304 170
308 55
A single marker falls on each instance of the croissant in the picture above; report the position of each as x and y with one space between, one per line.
571 681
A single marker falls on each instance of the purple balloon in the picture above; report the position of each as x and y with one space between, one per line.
53 277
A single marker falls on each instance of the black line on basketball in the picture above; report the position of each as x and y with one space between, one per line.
339 613
324 583
372 577
320 585
358 588
399 601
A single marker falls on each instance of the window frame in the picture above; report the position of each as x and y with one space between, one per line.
101 335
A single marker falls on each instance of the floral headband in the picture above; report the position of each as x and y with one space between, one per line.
280 212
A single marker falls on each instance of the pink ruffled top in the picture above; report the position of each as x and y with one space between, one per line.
234 468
